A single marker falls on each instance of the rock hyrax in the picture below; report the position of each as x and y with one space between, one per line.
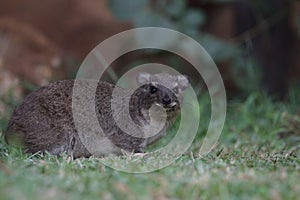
44 121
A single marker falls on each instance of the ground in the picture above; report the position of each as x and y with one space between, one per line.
256 157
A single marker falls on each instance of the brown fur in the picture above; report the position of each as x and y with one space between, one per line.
44 121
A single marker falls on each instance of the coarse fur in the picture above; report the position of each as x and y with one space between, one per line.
45 121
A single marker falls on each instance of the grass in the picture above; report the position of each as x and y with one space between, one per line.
256 157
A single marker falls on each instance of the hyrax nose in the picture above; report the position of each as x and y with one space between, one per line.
166 100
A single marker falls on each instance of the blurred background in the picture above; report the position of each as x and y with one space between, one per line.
255 44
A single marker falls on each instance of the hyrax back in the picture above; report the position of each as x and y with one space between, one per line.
44 121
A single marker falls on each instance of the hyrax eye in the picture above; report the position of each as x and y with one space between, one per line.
153 89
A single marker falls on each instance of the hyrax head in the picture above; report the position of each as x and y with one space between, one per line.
163 90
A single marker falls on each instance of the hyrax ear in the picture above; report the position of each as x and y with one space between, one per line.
143 78
183 81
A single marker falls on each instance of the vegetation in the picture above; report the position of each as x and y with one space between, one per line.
177 15
256 157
